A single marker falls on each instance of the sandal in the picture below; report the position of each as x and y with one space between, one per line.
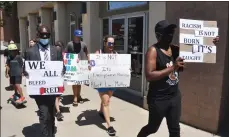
80 100
75 104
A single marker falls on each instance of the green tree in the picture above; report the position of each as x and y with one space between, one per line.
7 6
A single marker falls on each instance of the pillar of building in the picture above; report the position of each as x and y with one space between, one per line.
23 35
60 24
91 26
32 19
157 12
46 16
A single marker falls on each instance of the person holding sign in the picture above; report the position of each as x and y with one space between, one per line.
59 45
106 93
43 51
161 70
77 47
14 70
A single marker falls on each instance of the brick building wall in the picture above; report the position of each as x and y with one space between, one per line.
10 30
203 86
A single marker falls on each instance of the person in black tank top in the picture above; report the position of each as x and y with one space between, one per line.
161 70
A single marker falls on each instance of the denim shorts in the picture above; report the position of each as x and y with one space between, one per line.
105 89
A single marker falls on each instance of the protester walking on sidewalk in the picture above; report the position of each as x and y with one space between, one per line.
77 47
6 55
106 93
14 70
43 51
59 45
161 70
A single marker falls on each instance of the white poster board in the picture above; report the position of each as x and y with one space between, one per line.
110 70
44 77
77 72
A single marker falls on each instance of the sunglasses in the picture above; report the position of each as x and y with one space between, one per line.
110 43
44 35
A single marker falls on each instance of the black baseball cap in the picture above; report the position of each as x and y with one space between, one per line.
164 26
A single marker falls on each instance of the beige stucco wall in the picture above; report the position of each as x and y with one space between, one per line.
31 7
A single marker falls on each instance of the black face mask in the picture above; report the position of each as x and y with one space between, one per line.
166 39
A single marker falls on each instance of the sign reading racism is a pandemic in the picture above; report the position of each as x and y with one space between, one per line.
196 40
110 70
77 72
44 77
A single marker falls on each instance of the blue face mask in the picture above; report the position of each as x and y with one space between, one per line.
44 41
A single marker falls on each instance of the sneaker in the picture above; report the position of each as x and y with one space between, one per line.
20 100
14 97
9 88
59 116
111 131
80 100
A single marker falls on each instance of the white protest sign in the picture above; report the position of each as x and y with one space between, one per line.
191 39
191 57
203 49
44 77
110 70
207 32
77 72
196 40
191 24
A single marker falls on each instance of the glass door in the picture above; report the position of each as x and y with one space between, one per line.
131 38
136 49
118 31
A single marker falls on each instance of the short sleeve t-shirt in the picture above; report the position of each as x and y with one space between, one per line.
77 48
19 60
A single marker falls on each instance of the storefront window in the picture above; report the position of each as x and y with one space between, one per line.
114 5
80 25
72 26
135 47
105 27
118 31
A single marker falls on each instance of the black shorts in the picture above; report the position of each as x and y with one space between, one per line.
15 80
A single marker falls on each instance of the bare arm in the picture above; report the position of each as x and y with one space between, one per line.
150 66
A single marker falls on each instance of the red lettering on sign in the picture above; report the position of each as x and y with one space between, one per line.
61 89
42 90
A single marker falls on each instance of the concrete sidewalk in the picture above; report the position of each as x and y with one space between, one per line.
81 121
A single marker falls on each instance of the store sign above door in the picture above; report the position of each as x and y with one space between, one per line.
196 40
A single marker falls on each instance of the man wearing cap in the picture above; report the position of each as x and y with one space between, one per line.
161 70
43 51
77 47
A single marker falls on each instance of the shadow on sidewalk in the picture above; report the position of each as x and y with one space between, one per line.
32 131
91 117
68 99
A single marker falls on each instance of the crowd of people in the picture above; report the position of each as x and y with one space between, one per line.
162 68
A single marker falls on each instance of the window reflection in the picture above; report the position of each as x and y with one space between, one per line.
112 5
105 27
118 32
135 47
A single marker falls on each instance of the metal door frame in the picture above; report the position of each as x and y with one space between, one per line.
145 15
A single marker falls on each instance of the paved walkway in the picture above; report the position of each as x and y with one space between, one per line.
82 121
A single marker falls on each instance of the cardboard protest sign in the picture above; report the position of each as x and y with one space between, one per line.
77 72
110 70
196 40
44 77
